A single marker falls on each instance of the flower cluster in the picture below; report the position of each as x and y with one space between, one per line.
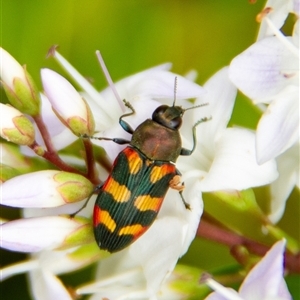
268 73
49 170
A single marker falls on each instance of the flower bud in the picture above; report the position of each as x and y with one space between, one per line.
18 85
15 127
36 234
67 103
45 189
81 236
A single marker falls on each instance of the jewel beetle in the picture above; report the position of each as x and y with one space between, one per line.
130 198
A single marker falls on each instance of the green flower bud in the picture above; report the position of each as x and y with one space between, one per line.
19 86
15 127
72 187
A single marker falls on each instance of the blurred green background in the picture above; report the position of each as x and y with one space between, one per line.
134 35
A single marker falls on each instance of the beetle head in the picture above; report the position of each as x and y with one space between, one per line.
171 116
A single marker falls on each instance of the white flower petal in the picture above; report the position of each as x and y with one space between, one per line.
160 85
193 196
296 7
289 169
264 69
278 128
37 189
18 268
220 96
158 250
61 210
155 84
265 280
45 286
61 136
223 293
296 32
235 166
36 234
61 261
116 276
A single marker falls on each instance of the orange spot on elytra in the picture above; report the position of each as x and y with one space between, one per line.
119 192
135 230
159 172
103 217
147 202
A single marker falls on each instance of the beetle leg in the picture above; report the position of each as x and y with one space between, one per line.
187 206
124 124
175 184
86 202
187 152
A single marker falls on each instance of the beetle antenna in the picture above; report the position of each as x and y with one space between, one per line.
196 106
108 78
175 90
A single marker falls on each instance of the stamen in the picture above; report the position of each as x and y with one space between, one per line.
282 38
18 268
94 287
175 91
138 294
263 14
109 80
220 289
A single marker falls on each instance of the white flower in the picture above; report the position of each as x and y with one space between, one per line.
224 158
265 281
268 72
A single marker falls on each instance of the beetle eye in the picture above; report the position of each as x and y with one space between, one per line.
175 123
158 113
167 116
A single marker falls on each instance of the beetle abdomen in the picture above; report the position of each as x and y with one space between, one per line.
130 199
